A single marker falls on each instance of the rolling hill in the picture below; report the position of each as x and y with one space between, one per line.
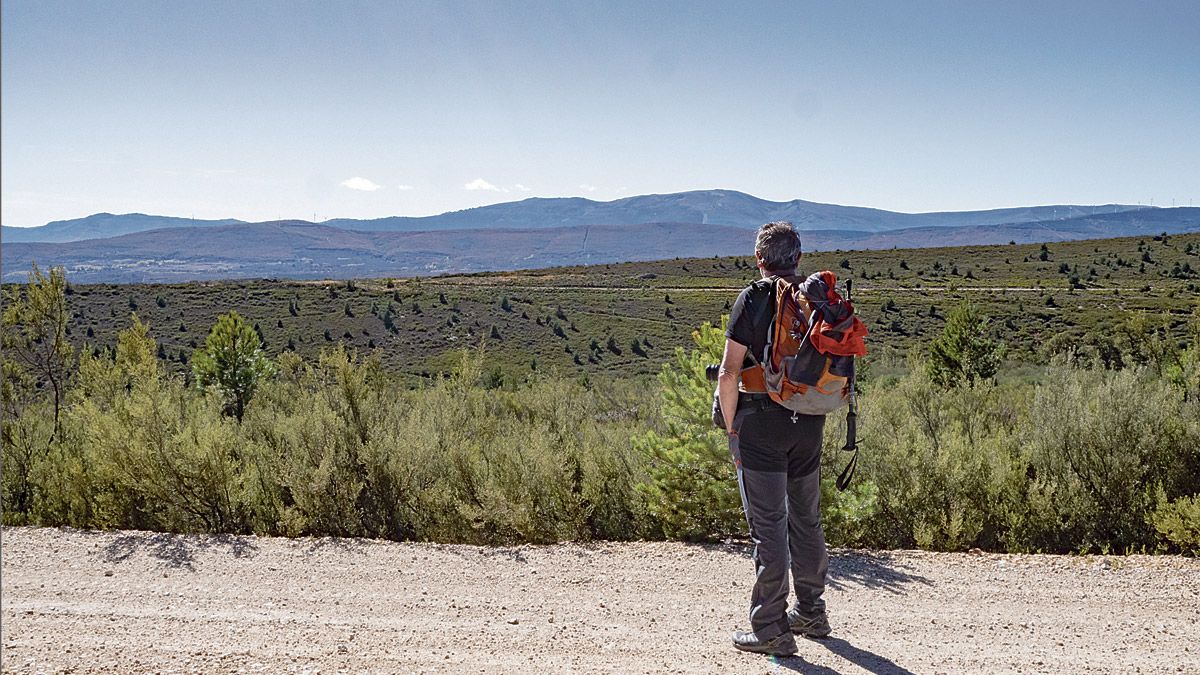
100 225
304 250
708 207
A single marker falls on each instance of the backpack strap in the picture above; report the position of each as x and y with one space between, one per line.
755 373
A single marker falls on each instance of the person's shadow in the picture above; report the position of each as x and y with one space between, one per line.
868 661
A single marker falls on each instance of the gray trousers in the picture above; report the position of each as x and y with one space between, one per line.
779 478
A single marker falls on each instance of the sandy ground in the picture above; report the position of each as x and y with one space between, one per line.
137 601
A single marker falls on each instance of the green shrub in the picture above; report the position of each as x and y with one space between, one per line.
1100 445
691 487
231 363
1068 458
943 462
963 352
1178 523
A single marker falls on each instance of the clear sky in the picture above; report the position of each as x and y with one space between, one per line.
259 110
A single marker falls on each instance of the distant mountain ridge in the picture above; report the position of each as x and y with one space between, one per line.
707 207
303 250
101 225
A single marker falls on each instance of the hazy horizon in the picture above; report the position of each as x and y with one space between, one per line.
517 199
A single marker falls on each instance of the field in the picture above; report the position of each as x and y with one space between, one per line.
559 432
626 319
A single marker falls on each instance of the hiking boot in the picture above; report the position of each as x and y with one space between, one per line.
814 625
780 645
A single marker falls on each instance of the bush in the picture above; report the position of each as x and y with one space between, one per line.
231 363
1086 460
963 352
1100 445
1178 523
691 487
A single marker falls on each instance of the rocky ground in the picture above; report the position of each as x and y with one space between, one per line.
138 601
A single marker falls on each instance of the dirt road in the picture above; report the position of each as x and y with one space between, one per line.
136 601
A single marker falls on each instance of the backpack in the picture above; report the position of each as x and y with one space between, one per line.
807 365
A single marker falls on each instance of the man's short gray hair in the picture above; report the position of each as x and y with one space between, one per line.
778 245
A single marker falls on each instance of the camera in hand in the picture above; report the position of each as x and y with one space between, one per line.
712 371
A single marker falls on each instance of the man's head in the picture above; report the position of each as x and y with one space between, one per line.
777 248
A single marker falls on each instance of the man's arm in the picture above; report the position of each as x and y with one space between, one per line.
727 380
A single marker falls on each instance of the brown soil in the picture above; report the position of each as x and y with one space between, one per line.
138 601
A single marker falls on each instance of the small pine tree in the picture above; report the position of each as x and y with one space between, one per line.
963 352
232 363
690 486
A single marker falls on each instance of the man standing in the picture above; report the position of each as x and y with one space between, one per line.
777 455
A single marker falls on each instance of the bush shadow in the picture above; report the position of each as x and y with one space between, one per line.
877 571
344 544
177 551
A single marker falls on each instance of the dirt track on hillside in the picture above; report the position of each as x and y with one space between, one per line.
137 601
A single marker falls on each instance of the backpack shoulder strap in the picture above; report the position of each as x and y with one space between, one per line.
761 314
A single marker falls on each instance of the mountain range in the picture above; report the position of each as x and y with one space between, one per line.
532 233
707 207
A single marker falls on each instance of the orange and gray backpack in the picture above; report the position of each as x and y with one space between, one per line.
807 365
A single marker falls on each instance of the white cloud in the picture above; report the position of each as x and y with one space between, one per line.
521 188
405 188
360 183
481 184
589 188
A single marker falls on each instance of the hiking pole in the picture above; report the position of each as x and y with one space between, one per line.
851 445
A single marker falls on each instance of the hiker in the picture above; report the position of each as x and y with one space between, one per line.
777 454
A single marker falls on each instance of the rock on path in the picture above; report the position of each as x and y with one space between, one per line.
140 601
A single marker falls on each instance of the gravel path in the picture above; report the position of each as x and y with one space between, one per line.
139 601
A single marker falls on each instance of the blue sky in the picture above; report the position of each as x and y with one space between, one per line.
259 110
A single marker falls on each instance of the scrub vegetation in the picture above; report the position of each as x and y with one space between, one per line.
1041 299
571 403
